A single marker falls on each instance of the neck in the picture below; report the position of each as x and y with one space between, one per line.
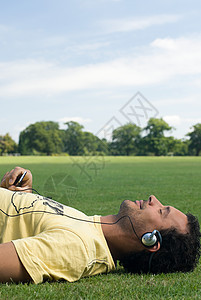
120 239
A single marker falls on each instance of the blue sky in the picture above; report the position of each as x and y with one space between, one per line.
87 60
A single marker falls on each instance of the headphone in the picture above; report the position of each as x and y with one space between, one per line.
150 239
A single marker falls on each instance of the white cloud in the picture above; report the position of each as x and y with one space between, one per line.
136 23
165 60
90 46
192 99
192 120
197 82
183 125
23 68
175 120
167 44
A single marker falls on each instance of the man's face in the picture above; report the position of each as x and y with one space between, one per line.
149 215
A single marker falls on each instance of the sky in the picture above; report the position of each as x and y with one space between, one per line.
101 63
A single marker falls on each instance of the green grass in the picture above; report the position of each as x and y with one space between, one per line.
99 188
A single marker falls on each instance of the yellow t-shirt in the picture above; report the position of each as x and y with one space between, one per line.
51 243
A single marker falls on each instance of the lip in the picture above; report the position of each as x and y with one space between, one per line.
138 203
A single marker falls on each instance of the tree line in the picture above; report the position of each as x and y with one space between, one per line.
46 138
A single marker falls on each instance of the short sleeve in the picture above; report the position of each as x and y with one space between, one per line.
53 255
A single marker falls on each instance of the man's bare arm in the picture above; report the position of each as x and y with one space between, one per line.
11 268
9 179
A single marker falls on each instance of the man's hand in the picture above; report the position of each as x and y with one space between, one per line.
9 179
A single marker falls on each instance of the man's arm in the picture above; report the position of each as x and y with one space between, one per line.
11 268
9 179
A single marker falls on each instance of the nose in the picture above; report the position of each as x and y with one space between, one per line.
154 201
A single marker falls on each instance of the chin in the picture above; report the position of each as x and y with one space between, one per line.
125 206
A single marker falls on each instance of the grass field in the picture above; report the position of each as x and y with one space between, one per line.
97 186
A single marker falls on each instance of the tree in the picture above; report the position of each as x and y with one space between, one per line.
91 143
181 147
195 139
7 144
155 142
103 146
41 138
177 147
78 142
125 139
74 138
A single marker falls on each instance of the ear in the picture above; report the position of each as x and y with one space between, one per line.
154 248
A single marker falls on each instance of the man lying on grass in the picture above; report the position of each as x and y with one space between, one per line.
41 239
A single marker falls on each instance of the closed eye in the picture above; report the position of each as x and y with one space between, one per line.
165 212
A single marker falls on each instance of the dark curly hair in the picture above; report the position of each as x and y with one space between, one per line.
178 253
